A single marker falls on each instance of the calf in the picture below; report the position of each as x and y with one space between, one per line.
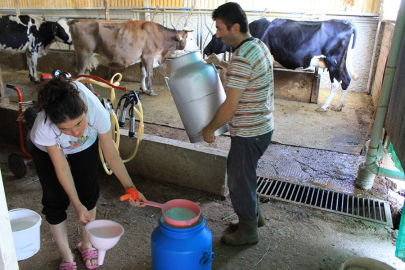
302 44
191 46
119 44
32 35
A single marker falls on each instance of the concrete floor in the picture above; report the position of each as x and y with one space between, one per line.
295 237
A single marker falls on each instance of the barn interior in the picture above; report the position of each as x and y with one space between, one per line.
309 149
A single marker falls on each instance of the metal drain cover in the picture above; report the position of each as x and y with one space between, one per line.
337 202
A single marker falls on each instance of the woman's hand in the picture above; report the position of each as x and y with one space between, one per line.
137 202
83 213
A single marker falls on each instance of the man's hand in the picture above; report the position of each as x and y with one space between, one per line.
214 59
208 135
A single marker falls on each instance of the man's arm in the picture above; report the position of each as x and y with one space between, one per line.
223 114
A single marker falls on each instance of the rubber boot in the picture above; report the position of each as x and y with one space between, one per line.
246 234
261 221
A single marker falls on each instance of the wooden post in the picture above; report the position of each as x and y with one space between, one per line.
17 8
3 98
107 14
315 86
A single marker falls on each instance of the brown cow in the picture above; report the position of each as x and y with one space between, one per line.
119 44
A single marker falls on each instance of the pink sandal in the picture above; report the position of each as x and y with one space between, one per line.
88 254
68 266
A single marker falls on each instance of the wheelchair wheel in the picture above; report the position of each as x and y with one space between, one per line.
18 165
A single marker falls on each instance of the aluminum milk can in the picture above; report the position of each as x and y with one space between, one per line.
197 92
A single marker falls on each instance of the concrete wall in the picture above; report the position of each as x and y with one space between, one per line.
9 129
66 61
183 164
289 85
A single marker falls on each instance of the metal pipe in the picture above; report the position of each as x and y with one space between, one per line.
107 13
189 16
199 41
171 21
17 8
367 170
208 27
127 12
375 169
154 14
263 13
201 31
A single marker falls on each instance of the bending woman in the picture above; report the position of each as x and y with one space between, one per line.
70 124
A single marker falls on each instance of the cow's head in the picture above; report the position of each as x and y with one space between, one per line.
181 38
61 32
191 45
216 46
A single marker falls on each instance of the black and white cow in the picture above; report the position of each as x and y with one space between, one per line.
32 35
295 44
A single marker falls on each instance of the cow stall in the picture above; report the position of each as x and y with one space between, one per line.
294 85
199 20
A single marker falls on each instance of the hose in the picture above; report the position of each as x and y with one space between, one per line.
100 151
115 125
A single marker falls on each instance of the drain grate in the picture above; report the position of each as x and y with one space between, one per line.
324 199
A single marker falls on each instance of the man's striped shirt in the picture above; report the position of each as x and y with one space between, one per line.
251 70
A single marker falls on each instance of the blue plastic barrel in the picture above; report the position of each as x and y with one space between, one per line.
182 248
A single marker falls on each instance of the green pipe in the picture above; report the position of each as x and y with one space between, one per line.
369 169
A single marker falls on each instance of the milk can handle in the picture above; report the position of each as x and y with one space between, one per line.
214 68
167 82
207 258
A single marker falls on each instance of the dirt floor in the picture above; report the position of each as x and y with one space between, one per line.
295 237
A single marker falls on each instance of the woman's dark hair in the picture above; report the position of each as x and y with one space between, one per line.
61 101
231 13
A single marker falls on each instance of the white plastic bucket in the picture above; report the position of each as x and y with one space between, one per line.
25 225
366 263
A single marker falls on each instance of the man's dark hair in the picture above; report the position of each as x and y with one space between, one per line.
231 13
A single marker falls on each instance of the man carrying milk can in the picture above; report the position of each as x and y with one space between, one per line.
248 109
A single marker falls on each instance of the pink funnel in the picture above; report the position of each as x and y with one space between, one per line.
103 235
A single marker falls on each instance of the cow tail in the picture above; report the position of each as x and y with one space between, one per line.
354 35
